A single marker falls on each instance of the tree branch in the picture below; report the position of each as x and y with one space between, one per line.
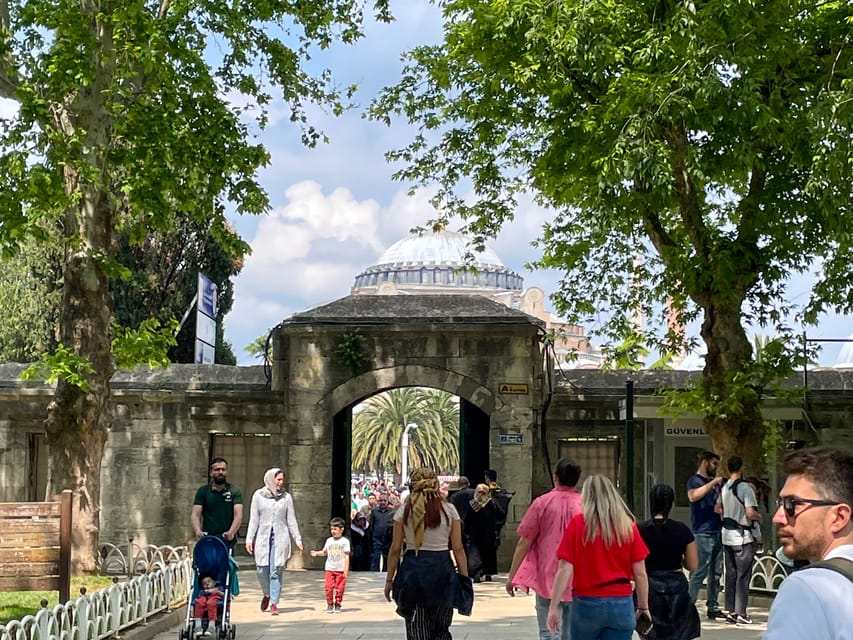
164 9
8 70
688 199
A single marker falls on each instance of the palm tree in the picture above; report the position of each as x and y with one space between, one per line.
378 428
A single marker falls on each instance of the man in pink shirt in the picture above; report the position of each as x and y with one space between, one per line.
534 562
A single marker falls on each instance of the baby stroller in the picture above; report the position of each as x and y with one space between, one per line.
212 557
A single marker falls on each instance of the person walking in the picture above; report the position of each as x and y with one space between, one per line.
423 584
461 498
217 506
703 492
600 554
813 514
740 511
534 561
481 534
272 522
337 551
672 548
381 528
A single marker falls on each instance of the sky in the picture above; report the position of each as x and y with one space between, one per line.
335 208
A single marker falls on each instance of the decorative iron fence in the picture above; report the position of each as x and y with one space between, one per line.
767 574
164 585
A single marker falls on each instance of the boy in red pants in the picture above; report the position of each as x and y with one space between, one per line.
337 553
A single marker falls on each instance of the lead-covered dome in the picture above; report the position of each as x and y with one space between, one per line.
438 260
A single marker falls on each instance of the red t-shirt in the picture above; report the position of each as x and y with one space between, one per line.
600 571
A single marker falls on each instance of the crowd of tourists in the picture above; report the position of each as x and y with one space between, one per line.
596 572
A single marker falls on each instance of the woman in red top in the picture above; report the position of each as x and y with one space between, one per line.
602 551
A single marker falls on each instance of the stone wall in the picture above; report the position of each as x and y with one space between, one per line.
158 447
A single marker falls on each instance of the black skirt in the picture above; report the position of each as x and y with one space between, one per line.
427 578
674 615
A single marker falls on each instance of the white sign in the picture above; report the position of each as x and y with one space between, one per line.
205 321
204 353
684 432
511 438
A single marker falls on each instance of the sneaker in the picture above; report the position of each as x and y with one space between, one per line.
265 602
330 608
488 578
717 615
338 609
274 609
743 619
731 618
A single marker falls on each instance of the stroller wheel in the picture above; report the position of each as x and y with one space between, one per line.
232 632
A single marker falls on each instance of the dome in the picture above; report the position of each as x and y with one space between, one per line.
436 262
442 247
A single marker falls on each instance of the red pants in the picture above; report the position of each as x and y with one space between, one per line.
336 582
206 602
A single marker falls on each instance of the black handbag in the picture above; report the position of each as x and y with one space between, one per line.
463 594
644 624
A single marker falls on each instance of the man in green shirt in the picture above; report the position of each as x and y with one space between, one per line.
218 506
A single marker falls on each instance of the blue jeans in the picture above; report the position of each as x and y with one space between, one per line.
379 552
710 548
603 618
270 576
542 605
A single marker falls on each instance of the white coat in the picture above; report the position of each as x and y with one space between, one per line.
270 514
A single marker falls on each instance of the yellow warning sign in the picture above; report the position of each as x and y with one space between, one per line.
518 389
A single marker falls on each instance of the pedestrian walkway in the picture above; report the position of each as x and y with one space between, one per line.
367 616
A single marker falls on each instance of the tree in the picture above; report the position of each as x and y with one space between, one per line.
377 430
163 270
125 123
160 282
695 156
30 293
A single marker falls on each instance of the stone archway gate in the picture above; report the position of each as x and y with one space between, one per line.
482 351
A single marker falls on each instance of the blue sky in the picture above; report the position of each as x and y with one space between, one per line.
335 208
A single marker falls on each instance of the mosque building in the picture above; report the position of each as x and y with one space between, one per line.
444 262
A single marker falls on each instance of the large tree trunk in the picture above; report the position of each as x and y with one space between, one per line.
730 351
78 420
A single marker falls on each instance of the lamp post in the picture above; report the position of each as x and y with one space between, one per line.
404 446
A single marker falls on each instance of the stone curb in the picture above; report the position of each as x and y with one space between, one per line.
156 625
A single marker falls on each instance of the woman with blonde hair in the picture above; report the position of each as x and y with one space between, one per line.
424 583
601 553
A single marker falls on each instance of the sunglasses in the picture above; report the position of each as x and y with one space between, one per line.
789 504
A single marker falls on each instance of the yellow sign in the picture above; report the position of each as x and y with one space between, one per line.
506 387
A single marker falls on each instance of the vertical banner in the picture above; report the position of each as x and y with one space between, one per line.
205 321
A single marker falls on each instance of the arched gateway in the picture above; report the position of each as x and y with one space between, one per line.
328 359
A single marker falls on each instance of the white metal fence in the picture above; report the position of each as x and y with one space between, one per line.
163 583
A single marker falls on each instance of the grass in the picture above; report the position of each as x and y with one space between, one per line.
14 605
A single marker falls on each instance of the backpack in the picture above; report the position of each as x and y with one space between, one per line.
839 565
731 523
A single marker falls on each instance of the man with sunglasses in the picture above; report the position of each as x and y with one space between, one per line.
218 505
814 520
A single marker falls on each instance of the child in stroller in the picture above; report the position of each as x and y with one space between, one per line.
206 607
214 584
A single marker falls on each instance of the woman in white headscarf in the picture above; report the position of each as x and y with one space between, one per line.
272 521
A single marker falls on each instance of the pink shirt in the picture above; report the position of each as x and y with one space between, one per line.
543 525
